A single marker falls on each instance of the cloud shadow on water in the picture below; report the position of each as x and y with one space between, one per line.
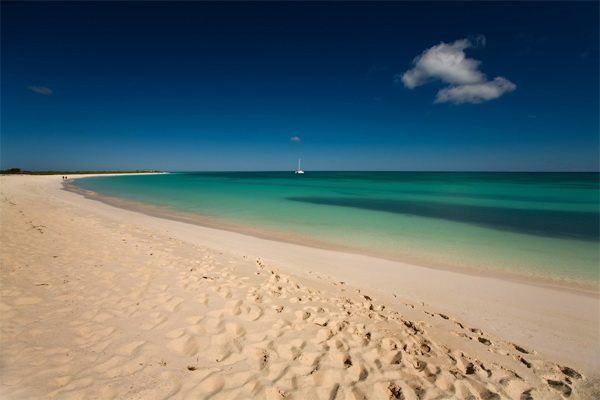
549 223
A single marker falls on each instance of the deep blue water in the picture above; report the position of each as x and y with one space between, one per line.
543 226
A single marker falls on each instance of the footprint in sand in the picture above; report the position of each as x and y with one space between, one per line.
215 324
277 370
477 389
222 346
130 349
186 344
310 359
522 350
203 298
302 315
260 357
484 341
570 372
275 393
279 329
156 319
291 351
223 291
235 330
173 304
390 356
60 381
356 372
196 330
338 345
250 312
208 386
517 389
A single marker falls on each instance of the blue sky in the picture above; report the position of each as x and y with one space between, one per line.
510 86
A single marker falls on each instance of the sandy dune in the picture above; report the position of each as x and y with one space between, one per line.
105 303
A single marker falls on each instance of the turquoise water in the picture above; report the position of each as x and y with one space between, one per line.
542 226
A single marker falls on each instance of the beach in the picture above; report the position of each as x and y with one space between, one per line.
105 302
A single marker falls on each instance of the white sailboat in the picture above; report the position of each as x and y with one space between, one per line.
299 170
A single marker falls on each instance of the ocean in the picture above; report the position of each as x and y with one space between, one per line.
538 227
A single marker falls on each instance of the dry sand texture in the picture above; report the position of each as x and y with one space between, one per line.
94 307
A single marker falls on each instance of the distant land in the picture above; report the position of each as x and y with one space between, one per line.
18 171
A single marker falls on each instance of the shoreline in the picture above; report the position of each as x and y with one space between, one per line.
575 287
244 243
188 284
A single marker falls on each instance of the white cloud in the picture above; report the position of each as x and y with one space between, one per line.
40 89
295 139
448 63
475 93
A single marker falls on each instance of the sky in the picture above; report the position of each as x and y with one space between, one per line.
221 86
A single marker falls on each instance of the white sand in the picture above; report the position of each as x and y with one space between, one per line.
101 302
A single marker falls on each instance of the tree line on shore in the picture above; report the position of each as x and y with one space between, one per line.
18 171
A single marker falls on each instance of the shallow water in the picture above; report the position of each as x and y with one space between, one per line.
541 226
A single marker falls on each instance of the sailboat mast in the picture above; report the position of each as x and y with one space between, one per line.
299 170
